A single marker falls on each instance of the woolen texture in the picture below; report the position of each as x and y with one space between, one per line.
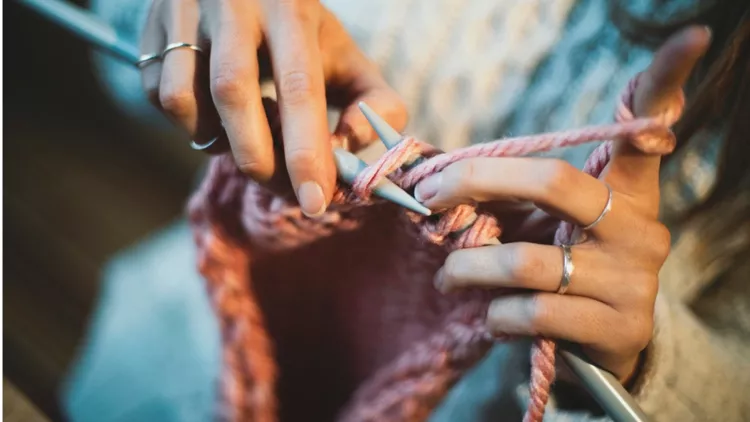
447 335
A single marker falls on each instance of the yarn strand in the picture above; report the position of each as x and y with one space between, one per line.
410 387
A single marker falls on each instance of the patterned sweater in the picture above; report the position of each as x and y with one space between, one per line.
471 71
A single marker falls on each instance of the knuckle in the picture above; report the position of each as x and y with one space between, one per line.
395 112
536 313
556 176
296 88
301 158
177 102
640 333
227 87
460 177
524 263
661 242
301 10
643 291
398 111
255 169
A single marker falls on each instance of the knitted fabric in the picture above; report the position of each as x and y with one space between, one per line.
396 342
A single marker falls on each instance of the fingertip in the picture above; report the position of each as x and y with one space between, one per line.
428 188
674 62
670 69
311 199
312 171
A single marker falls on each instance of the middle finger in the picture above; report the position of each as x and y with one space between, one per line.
300 84
235 86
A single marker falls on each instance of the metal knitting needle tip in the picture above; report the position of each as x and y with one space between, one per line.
387 134
349 166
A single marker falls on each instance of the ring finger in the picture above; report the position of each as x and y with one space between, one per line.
183 92
153 42
535 267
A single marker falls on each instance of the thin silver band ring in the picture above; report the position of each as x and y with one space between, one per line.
177 45
200 147
568 269
607 207
145 59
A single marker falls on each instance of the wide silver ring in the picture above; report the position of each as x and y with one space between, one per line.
568 268
146 59
607 207
178 45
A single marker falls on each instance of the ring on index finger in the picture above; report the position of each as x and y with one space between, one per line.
178 45
147 59
607 208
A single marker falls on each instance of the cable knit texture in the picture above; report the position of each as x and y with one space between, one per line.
414 372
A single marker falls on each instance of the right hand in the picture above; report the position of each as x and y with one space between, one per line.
217 93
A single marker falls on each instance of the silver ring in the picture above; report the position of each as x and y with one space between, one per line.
200 147
568 268
607 207
146 59
176 45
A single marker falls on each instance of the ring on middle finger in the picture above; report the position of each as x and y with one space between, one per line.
568 269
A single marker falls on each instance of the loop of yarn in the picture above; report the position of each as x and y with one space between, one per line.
411 386
662 140
408 149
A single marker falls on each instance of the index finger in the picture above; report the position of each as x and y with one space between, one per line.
632 171
300 86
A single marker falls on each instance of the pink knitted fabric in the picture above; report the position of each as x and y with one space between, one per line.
337 317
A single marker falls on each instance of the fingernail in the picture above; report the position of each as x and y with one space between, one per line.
708 31
311 199
428 188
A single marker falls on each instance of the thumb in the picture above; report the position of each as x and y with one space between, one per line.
659 90
660 86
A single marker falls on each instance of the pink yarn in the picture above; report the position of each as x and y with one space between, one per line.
351 292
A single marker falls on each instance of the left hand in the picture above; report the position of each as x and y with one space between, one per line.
608 307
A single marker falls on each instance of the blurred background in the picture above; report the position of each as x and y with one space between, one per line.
82 182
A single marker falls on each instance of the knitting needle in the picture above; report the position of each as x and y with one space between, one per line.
390 137
605 388
102 35
349 166
86 26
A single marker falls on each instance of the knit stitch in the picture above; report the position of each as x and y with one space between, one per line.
242 229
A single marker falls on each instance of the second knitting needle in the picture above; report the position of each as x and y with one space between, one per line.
390 137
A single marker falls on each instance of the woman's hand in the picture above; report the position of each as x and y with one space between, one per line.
608 307
310 53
